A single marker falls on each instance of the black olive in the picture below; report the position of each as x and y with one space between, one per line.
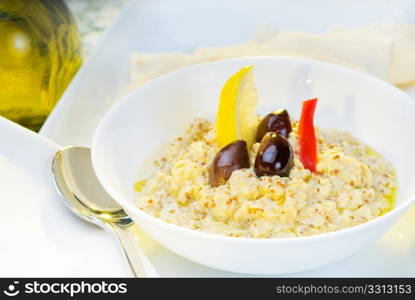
233 156
278 122
274 156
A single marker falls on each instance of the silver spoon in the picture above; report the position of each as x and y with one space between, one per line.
83 194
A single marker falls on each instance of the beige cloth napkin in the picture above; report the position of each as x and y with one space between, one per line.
384 50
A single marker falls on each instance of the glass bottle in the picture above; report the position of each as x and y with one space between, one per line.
40 52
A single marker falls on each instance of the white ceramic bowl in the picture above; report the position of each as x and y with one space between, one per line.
152 115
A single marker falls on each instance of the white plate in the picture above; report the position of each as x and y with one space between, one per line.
183 26
39 236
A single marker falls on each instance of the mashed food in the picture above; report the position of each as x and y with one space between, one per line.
352 185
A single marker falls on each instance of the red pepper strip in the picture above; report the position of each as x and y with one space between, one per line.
307 135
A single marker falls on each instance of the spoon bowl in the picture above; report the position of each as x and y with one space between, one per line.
69 165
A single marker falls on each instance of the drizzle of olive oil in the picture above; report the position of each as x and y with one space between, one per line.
372 152
40 52
390 198
139 185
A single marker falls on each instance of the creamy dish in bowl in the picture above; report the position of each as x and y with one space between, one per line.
272 226
352 185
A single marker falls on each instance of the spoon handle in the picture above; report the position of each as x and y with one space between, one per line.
138 261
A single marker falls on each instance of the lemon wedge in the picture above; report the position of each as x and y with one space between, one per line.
236 116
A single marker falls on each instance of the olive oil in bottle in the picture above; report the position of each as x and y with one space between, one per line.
39 54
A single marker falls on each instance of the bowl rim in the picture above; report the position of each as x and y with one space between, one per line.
129 206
